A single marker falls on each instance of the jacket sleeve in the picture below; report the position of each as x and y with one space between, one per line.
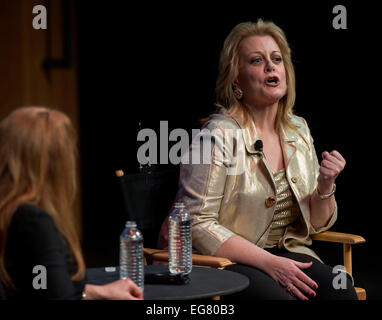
316 167
201 186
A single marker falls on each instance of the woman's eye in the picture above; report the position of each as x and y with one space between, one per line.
277 59
256 60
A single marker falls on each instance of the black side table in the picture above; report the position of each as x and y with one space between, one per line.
204 283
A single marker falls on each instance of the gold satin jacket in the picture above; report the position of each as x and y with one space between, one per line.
235 193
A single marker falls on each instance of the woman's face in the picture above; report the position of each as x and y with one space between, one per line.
261 71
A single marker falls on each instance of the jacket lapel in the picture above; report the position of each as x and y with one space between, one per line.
249 131
250 136
289 140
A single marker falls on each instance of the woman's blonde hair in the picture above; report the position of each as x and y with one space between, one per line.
229 70
38 150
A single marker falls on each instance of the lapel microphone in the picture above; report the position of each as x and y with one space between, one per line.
259 146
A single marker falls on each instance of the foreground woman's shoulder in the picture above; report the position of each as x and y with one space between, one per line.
30 212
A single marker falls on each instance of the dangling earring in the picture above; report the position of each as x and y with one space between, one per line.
238 93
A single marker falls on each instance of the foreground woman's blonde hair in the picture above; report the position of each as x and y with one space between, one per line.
229 70
38 166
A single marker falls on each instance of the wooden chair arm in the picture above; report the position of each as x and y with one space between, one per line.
197 259
345 238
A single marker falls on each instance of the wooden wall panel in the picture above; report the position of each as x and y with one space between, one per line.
23 80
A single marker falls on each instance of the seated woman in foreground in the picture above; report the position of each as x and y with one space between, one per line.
37 191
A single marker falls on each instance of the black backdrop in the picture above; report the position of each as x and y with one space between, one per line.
159 62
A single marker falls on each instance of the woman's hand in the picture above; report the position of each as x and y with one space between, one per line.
288 274
331 166
123 289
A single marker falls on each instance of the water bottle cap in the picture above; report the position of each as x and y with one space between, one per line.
179 205
130 224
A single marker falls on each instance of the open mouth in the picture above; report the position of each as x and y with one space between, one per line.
272 81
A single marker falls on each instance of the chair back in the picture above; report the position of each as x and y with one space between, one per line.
148 197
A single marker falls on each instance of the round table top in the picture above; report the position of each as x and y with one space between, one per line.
204 282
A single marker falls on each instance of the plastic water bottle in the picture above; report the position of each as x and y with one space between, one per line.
131 254
180 241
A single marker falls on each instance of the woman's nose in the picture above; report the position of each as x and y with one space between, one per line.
269 67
